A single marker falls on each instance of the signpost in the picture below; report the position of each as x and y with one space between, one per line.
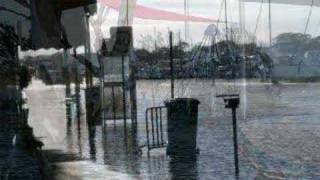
114 49
121 40
232 101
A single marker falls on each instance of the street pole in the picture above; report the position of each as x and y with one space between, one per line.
101 61
270 23
232 102
124 94
235 140
17 79
171 64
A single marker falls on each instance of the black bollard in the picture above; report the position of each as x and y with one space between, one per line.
232 102
182 126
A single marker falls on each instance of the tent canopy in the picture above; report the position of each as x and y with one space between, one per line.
144 12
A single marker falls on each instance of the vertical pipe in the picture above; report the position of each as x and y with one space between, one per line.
124 104
235 141
147 129
171 64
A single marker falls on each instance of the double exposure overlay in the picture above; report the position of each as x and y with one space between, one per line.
159 89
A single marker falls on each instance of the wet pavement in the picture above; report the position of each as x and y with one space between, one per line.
278 127
16 163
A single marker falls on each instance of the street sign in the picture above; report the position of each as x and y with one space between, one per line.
121 40
69 4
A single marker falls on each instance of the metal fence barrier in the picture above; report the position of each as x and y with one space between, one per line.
155 138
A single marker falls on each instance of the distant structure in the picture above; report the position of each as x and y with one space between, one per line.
186 22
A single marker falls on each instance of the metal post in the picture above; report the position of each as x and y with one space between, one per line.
232 102
186 21
133 92
226 18
147 129
235 141
161 131
77 90
18 48
124 95
152 127
102 91
270 23
171 64
157 126
113 105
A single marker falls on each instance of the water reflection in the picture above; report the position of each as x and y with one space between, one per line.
92 120
184 167
120 148
92 141
157 164
73 112
68 102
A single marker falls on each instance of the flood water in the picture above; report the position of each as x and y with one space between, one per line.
278 133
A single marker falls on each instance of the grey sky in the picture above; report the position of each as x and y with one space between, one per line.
285 18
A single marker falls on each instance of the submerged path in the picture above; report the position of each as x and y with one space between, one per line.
278 127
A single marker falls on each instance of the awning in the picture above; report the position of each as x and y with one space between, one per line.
57 26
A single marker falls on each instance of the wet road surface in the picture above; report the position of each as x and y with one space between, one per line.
278 127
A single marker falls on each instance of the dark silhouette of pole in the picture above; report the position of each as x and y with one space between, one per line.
124 94
113 105
232 102
235 140
226 18
171 64
270 22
